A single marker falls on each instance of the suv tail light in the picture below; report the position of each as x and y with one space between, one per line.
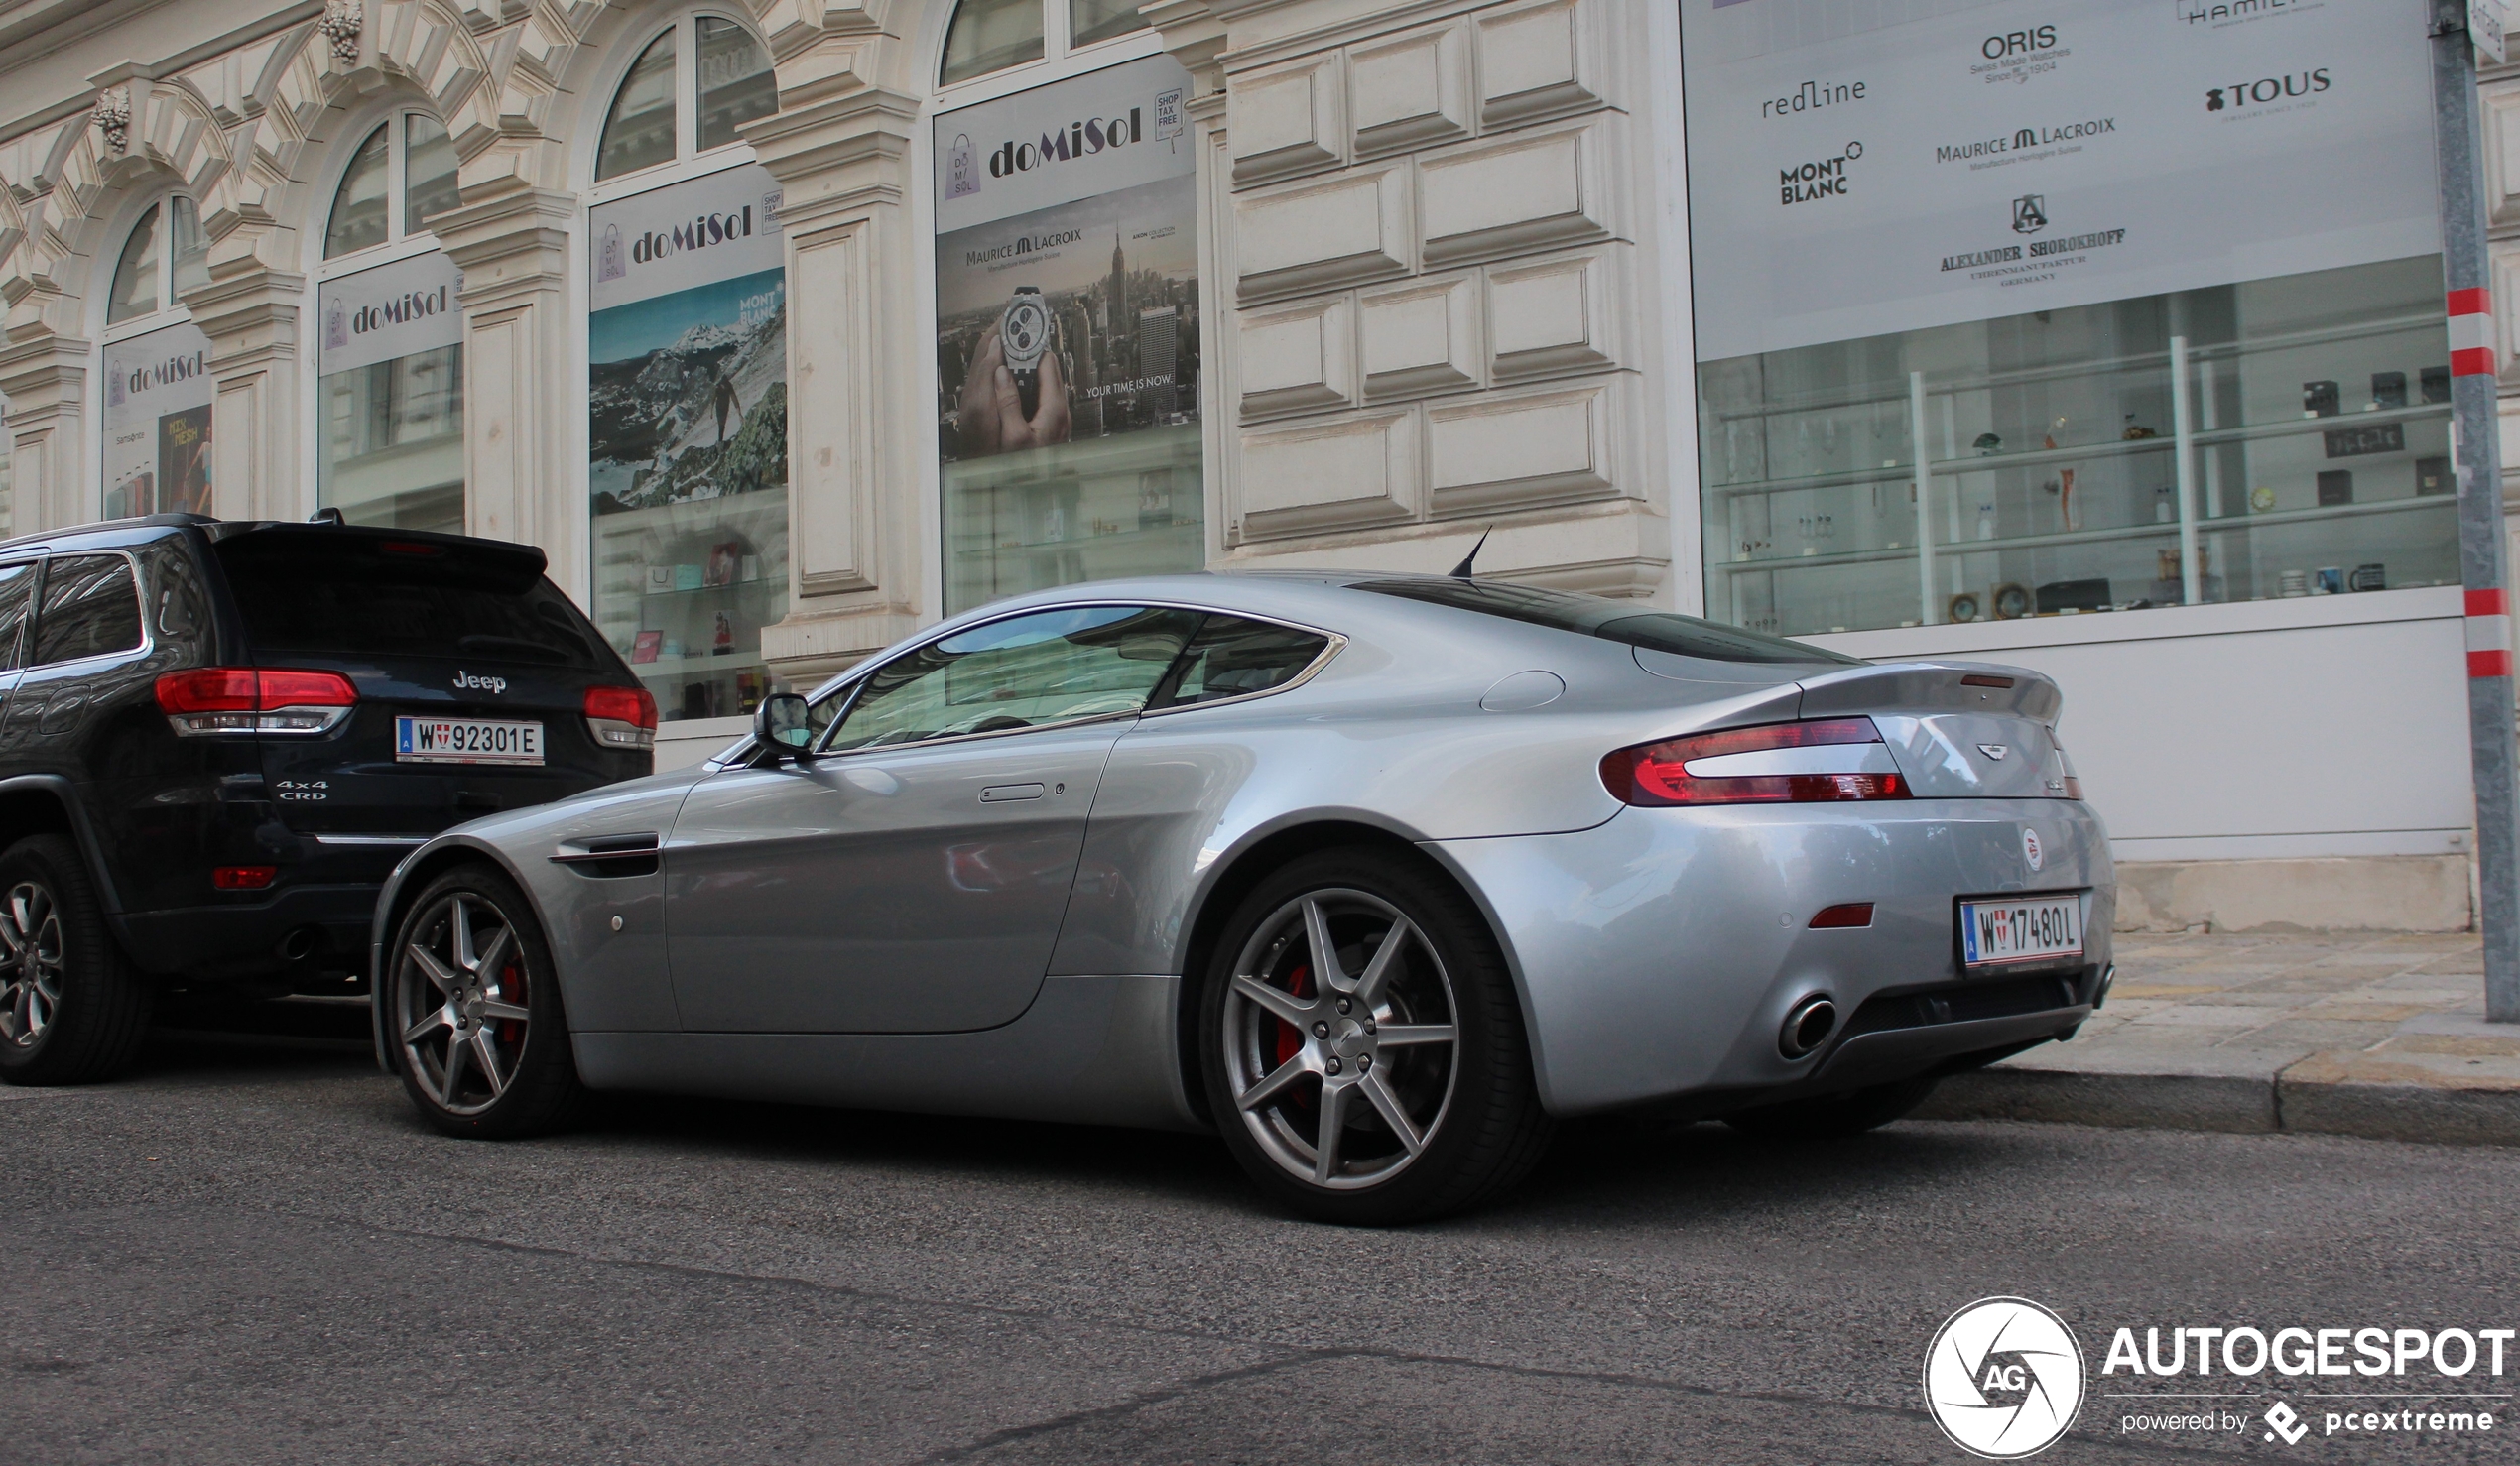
1810 763
210 701
622 717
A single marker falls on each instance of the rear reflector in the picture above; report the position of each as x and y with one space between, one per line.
1838 917
622 717
212 700
1656 774
243 877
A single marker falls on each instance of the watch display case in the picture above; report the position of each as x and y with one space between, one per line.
2222 444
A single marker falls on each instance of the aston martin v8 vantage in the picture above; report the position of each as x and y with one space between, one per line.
1375 876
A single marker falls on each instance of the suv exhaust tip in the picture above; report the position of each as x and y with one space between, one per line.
1807 1028
299 945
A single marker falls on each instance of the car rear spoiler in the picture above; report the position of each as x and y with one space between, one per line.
1928 686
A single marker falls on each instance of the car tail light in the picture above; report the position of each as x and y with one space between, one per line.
622 717
243 877
1820 762
210 701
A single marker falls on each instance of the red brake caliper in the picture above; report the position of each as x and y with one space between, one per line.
512 990
1290 1038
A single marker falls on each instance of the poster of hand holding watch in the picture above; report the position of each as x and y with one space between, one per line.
1067 264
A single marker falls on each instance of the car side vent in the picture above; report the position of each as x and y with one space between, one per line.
611 856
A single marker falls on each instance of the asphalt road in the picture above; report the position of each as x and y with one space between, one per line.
255 1254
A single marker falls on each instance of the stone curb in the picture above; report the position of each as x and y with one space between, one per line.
2232 1104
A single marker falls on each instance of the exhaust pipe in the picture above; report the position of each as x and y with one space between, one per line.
1807 1028
300 944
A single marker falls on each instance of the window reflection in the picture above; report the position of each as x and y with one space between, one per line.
737 84
135 288
992 36
429 171
358 206
639 132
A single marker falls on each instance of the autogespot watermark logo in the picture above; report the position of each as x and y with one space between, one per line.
2004 1378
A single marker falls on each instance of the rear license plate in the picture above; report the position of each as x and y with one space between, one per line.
467 741
2034 929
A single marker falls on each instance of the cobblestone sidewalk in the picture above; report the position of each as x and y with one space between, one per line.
2371 1034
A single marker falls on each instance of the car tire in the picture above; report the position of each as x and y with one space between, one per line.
72 1007
1832 1116
476 1062
1279 1046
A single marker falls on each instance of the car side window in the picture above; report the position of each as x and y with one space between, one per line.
91 607
17 586
1234 658
1026 671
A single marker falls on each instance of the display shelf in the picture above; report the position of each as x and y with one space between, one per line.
667 667
2087 368
2075 458
762 581
2170 531
1119 537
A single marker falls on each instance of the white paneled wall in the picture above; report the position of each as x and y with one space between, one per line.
1426 232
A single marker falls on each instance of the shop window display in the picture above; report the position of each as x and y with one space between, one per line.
2061 321
688 435
2313 434
1068 336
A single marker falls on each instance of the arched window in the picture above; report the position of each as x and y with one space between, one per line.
154 456
689 92
389 339
165 255
992 36
403 173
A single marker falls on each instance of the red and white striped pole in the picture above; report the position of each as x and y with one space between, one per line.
2476 447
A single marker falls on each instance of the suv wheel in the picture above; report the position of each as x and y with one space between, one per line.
72 1010
1364 1051
475 1011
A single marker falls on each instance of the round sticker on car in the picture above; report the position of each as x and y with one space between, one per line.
2029 850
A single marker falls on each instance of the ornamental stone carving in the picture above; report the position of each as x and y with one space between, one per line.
340 25
112 116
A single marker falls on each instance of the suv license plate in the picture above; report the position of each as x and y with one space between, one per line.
2034 929
467 741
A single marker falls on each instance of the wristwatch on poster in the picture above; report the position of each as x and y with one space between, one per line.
1022 333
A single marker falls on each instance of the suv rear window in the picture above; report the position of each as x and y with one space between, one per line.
327 592
1611 621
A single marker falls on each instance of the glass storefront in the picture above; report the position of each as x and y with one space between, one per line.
2315 435
1067 334
688 432
2014 320
389 395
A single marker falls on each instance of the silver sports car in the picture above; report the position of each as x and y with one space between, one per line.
1376 876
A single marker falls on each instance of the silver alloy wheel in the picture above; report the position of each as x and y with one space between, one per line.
30 963
460 1002
1340 1033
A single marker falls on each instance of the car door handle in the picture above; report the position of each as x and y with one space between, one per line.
999 792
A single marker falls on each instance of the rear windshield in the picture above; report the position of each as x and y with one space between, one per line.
1611 621
355 595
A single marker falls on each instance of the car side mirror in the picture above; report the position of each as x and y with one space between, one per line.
782 724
